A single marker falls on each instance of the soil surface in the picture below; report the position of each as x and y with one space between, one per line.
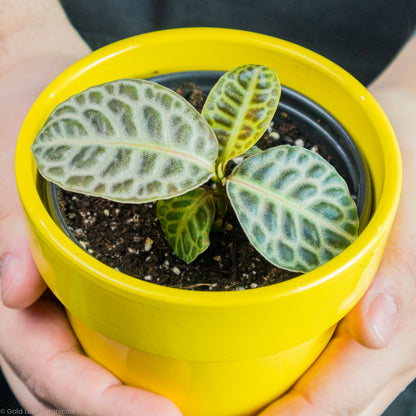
128 237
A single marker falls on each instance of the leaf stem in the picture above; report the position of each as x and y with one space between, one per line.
221 203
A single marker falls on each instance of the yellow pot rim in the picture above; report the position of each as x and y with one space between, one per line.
127 286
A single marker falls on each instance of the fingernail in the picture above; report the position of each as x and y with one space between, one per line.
383 315
9 267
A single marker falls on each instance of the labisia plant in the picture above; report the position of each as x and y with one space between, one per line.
135 141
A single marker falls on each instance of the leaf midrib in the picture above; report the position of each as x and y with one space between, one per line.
195 206
147 146
292 206
247 98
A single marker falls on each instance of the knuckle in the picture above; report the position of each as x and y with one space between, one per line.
43 382
322 408
40 380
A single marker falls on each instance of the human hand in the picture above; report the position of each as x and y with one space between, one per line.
372 356
46 368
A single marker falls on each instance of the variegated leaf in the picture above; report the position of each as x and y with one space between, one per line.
294 207
127 140
186 221
240 107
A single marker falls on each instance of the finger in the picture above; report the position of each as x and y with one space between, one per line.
348 377
21 392
43 353
386 396
21 283
297 404
374 320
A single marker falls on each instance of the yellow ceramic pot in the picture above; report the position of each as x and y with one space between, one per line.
213 354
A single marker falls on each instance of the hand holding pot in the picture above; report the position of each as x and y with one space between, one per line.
372 358
53 369
31 56
38 351
47 370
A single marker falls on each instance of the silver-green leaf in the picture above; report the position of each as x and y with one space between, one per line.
294 207
127 140
186 221
240 107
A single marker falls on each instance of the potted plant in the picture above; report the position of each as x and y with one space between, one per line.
135 142
212 353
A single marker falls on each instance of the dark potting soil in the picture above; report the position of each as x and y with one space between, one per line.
128 237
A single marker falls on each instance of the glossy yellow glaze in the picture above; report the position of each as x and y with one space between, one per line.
181 343
204 388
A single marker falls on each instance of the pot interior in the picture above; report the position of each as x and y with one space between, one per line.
318 127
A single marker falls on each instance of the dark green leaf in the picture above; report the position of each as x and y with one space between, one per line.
186 221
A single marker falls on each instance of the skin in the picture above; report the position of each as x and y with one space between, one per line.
368 362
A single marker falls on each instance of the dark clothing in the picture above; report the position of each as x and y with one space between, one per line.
361 36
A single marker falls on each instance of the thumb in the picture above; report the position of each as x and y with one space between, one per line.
21 283
373 321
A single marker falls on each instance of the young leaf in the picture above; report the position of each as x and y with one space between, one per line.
186 221
240 106
294 207
127 140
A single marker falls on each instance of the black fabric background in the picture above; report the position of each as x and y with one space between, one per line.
361 36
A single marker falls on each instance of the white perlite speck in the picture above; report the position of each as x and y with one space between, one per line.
274 135
315 149
148 277
148 244
176 270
